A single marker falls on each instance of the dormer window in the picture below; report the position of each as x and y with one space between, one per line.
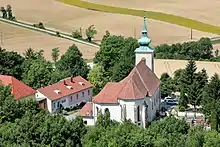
57 91
81 83
69 87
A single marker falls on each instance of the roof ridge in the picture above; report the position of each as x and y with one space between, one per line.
137 87
12 83
142 80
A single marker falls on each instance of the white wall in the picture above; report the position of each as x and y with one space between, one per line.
66 101
90 121
149 56
114 109
49 103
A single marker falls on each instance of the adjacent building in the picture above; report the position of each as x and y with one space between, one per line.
137 97
67 93
18 89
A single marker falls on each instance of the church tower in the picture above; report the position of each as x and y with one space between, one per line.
145 51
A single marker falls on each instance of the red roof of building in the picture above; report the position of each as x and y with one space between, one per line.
139 83
109 93
18 88
65 87
86 110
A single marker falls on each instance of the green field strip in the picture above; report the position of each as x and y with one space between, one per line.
169 18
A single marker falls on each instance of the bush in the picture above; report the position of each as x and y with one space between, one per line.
77 34
181 108
91 32
57 33
41 25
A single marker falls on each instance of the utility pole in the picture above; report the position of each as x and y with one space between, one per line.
191 33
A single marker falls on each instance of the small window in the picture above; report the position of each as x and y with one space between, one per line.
63 101
82 94
45 105
152 105
85 122
77 96
71 99
54 104
88 92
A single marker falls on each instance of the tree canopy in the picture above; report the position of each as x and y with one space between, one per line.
194 50
115 59
72 63
10 63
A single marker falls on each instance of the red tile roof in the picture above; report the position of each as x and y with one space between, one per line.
18 88
109 93
139 83
76 84
144 80
86 110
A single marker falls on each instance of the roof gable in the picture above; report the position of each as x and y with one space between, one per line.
140 82
18 88
109 94
86 110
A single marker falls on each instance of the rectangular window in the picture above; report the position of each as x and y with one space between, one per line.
71 99
45 105
88 92
63 101
54 104
82 94
77 96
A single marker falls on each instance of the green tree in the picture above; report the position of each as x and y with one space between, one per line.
4 12
126 60
193 50
10 63
212 139
187 83
72 63
211 101
109 52
197 88
77 34
31 54
9 11
91 32
97 76
55 54
166 85
195 137
116 56
37 73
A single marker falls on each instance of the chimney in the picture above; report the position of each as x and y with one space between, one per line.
64 82
72 80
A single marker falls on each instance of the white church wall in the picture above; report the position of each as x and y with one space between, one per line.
89 121
114 109
129 109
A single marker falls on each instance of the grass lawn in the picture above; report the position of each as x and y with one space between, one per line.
178 20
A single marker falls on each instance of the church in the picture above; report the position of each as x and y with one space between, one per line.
136 97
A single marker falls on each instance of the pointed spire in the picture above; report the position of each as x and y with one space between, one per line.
144 40
144 29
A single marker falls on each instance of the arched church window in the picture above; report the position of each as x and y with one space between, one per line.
138 114
97 111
